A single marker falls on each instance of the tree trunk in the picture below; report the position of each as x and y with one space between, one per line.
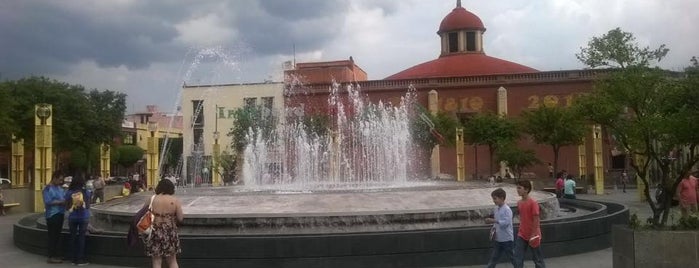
491 148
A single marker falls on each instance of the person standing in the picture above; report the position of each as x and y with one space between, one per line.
529 233
502 228
78 218
569 188
550 170
54 212
2 204
624 179
164 241
560 184
98 183
688 192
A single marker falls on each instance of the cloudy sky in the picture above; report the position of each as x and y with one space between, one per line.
148 48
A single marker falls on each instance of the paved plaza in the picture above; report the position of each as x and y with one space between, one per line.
10 256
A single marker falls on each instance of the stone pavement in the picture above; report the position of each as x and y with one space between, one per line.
10 256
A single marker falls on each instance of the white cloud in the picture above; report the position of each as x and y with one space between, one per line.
204 31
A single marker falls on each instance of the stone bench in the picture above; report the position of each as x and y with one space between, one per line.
8 206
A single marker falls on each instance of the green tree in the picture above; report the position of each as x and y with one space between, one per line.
250 120
650 113
490 129
554 126
617 48
129 155
80 120
7 105
517 159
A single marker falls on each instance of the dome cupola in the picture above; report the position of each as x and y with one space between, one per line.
461 32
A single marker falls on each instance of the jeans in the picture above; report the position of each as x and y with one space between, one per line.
54 225
78 228
498 249
521 247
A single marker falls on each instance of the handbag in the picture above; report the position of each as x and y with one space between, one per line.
145 223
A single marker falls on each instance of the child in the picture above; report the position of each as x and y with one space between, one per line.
502 226
529 234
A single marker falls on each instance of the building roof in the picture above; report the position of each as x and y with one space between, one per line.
464 64
460 18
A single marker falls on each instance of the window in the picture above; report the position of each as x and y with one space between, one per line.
198 112
198 133
250 102
129 138
453 42
470 41
267 106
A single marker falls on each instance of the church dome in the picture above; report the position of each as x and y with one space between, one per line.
460 19
461 65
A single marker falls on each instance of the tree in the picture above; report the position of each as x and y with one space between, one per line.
129 155
80 120
7 122
617 48
490 129
650 113
555 126
516 158
250 120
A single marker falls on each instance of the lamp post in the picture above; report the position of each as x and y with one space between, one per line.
216 161
152 155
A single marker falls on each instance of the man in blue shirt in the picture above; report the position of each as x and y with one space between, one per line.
54 204
501 231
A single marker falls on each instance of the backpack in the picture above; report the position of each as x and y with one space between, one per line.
76 202
145 223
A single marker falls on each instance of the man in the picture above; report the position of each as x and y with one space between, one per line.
502 228
529 233
54 204
98 183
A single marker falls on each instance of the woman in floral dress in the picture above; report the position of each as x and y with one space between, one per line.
164 241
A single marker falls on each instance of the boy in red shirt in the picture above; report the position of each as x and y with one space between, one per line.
529 234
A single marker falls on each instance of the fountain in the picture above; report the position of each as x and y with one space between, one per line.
348 198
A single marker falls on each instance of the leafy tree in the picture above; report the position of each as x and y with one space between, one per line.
129 155
617 48
517 159
554 126
490 129
80 120
7 122
650 113
250 120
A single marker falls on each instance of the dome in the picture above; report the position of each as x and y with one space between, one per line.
467 64
460 18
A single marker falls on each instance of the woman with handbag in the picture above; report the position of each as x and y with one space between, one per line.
163 242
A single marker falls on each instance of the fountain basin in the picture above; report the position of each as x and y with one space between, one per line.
433 242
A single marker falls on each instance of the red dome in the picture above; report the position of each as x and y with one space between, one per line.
465 64
459 18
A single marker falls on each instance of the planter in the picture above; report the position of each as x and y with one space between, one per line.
654 248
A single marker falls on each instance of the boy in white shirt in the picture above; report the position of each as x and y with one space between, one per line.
502 227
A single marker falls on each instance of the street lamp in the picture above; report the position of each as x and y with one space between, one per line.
152 154
216 161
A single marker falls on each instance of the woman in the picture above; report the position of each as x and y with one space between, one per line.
164 242
688 191
78 203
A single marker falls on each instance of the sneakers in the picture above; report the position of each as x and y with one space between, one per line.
81 263
54 260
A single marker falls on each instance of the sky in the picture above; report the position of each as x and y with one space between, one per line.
148 49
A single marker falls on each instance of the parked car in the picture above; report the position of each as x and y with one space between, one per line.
5 183
116 180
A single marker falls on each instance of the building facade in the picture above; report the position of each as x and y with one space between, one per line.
209 109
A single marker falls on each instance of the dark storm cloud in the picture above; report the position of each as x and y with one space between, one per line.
44 37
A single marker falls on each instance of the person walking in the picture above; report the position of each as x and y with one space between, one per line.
98 183
688 191
501 231
164 241
569 188
78 204
560 184
54 212
529 233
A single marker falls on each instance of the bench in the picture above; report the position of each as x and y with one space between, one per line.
7 206
578 190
